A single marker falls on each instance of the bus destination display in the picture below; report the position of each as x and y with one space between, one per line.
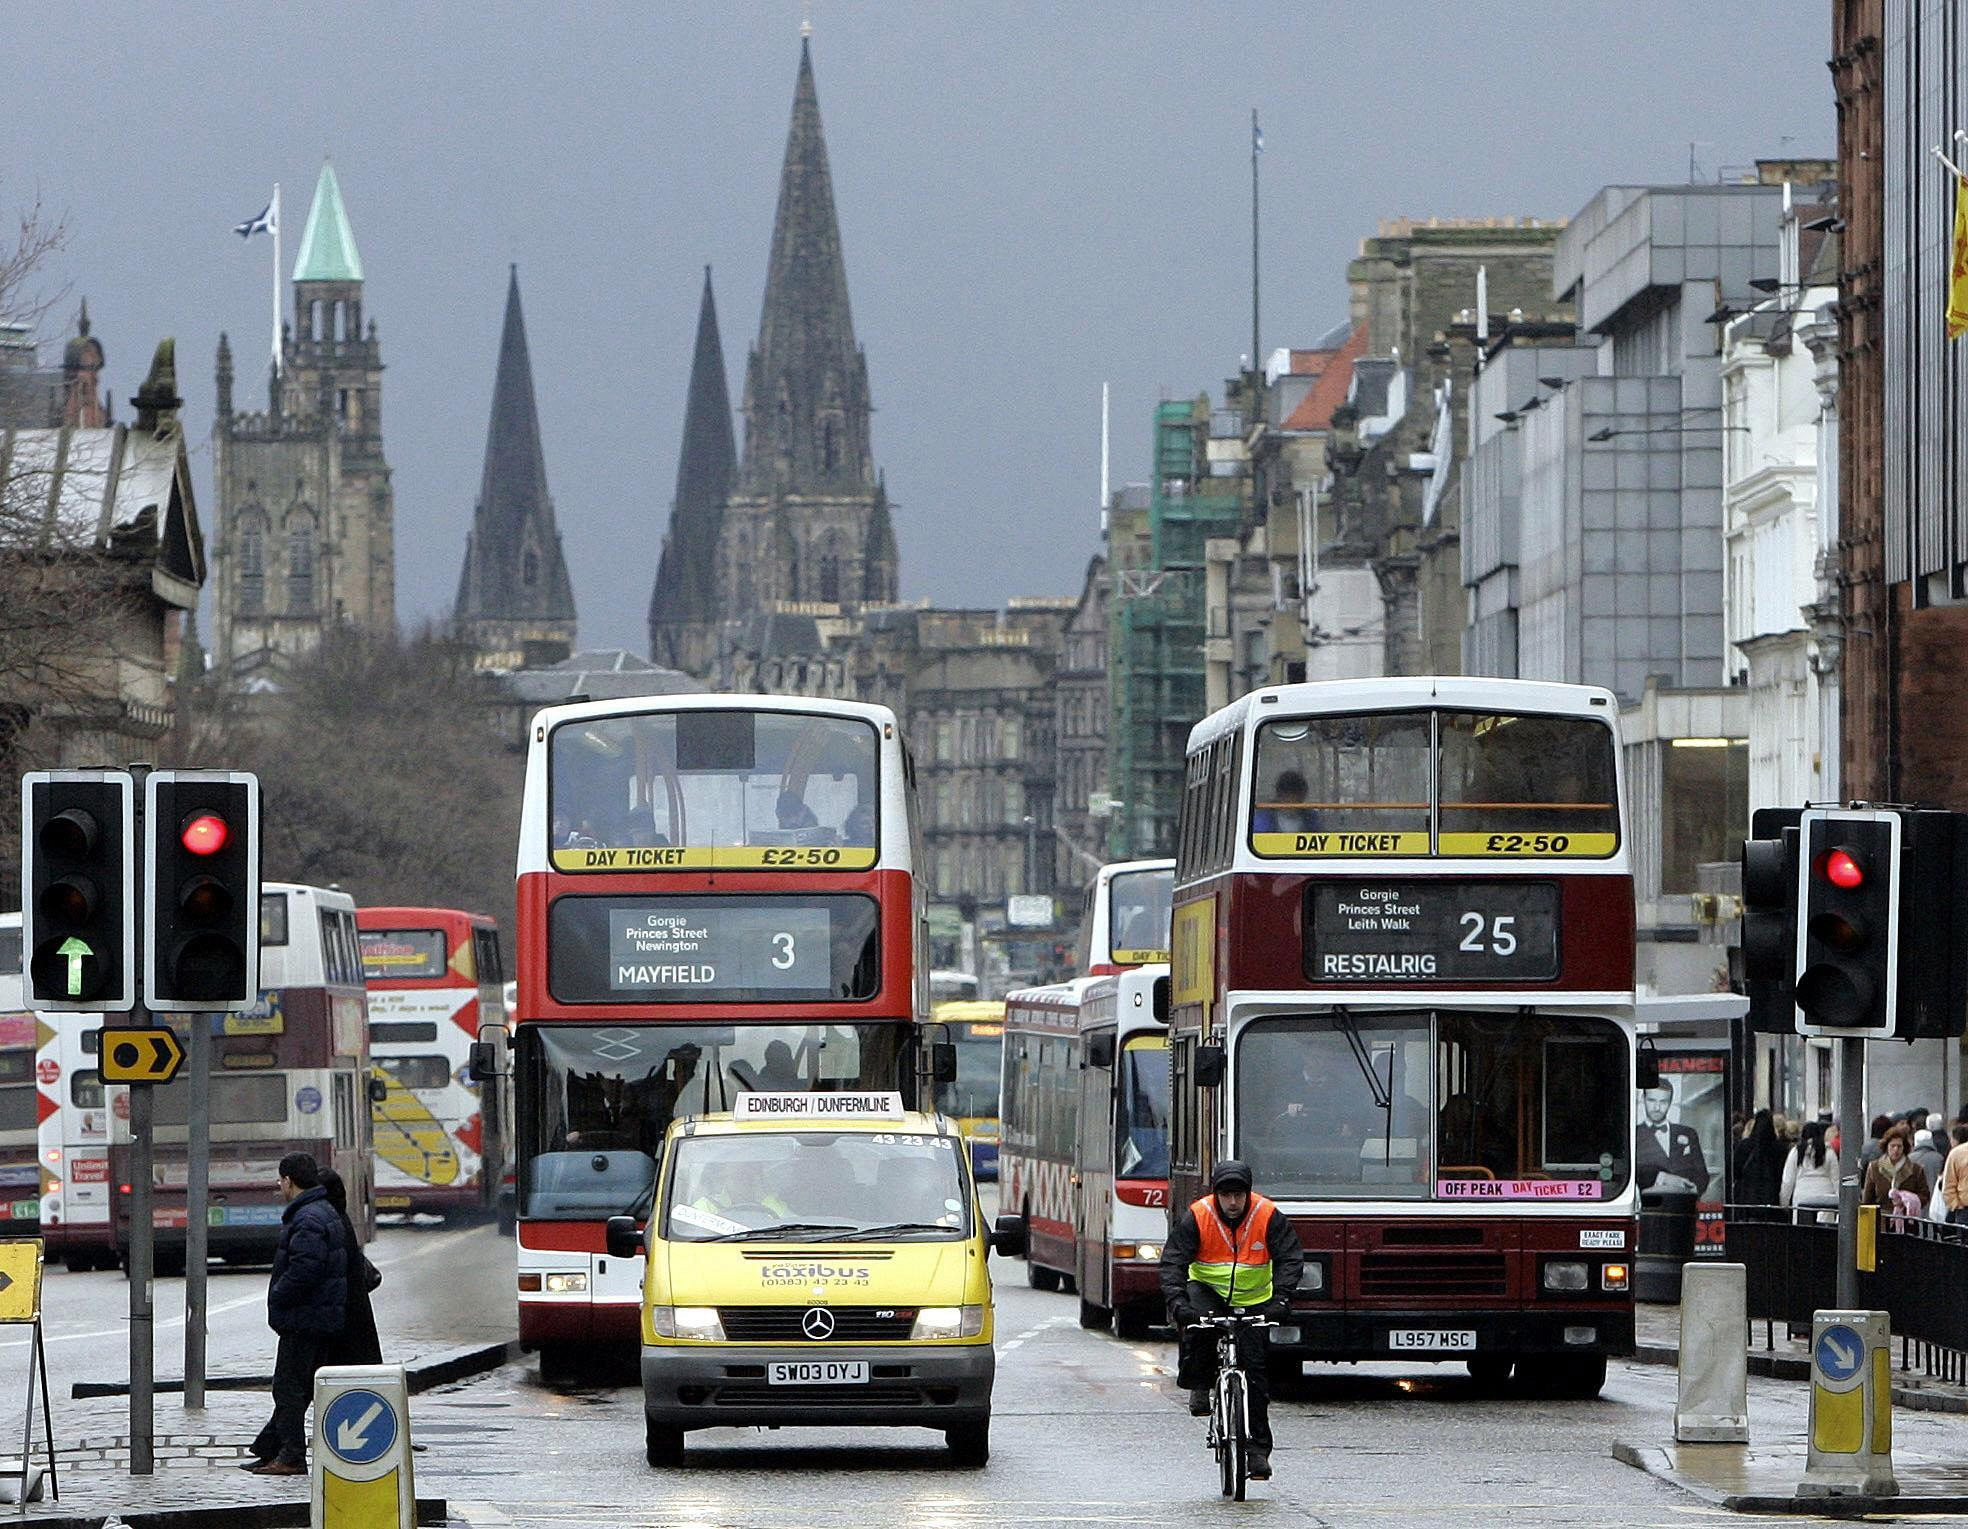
695 946
1431 931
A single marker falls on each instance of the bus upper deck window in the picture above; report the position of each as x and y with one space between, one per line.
1352 774
1549 776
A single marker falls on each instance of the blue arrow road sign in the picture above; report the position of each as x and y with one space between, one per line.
1840 1351
359 1426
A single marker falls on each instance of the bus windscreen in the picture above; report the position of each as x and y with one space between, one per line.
393 953
1138 916
1474 784
707 789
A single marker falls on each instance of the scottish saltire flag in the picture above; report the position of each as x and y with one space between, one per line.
260 223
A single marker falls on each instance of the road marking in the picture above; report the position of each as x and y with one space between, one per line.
1031 1332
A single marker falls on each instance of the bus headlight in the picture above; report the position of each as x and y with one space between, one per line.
1312 1279
1141 1252
948 1322
566 1284
696 1322
1564 1276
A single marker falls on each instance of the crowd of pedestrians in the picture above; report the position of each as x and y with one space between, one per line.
1914 1164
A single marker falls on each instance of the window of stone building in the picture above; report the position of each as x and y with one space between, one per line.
300 563
252 563
1704 806
529 567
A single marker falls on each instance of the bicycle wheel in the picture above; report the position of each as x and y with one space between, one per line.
1236 1428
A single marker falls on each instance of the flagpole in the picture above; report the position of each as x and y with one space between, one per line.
276 278
1257 140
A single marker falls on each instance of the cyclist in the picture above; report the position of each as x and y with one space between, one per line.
1233 1250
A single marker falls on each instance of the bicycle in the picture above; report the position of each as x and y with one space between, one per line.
1229 1416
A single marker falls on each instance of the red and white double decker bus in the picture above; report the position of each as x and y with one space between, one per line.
289 1074
1126 922
435 977
1403 992
717 894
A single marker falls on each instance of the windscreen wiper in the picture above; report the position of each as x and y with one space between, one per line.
864 1233
1383 1093
754 1233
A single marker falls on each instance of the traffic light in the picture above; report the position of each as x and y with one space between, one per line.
1848 922
201 889
1933 946
1769 920
78 908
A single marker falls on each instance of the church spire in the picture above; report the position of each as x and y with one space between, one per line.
806 387
706 467
327 250
514 592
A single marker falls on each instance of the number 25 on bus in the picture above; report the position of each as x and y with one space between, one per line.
716 895
1402 990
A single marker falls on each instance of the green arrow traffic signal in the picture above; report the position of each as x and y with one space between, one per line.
76 951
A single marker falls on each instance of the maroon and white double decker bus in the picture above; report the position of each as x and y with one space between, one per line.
1402 990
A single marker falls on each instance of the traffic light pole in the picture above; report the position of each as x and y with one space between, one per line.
143 1233
198 1172
1851 1137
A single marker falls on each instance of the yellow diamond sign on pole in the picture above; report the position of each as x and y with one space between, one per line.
151 1054
20 1279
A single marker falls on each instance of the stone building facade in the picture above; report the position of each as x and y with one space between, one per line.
306 518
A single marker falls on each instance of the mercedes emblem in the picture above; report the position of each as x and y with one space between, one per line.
818 1323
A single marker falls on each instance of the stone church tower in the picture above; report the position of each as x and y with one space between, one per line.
683 609
305 532
515 602
808 518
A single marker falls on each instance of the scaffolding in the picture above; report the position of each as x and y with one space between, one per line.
1156 621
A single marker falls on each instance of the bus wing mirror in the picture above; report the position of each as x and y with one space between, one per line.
1209 1066
1100 1050
379 1090
1159 1004
1008 1236
1647 1066
624 1237
943 1062
482 1061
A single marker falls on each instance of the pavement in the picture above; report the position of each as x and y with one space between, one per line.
445 1310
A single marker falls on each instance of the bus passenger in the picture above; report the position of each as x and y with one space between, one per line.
858 829
1279 815
794 813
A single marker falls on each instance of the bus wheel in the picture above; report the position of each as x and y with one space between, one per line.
1039 1277
660 1445
970 1443
1094 1318
1133 1321
557 1363
78 1261
1489 1372
1563 1377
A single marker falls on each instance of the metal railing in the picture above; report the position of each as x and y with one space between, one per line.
1920 1279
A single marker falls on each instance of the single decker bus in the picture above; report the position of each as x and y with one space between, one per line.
436 977
1402 991
975 1026
717 895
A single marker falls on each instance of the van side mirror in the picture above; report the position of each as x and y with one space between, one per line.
378 1090
1008 1236
943 1062
1646 1066
1100 1049
624 1237
1210 1066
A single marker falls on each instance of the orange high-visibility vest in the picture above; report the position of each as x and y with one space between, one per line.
1235 1262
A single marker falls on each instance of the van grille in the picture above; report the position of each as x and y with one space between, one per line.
783 1324
1432 1274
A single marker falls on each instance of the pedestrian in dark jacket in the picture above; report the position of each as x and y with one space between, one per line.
1232 1250
358 1343
307 1306
1759 1162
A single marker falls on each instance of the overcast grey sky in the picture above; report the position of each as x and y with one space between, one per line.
1033 198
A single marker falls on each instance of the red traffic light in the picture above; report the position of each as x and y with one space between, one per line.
1842 869
204 833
